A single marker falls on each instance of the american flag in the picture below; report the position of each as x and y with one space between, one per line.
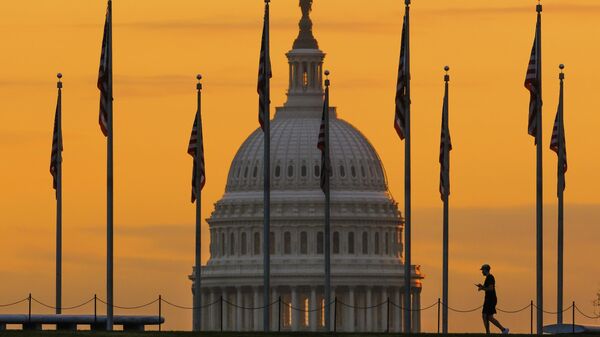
105 73
445 139
532 83
323 143
264 72
555 141
401 89
192 152
57 144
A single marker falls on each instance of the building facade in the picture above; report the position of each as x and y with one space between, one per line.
367 268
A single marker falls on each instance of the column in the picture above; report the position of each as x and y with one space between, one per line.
239 317
225 309
295 313
256 313
417 305
313 305
332 312
368 311
210 324
350 308
275 310
384 309
397 311
205 314
414 307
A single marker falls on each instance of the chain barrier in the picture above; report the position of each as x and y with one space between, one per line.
462 311
413 310
190 308
514 311
14 303
309 310
553 312
362 307
130 308
61 308
584 315
248 308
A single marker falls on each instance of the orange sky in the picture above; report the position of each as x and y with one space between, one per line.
161 45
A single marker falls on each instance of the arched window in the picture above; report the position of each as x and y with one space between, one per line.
277 171
320 243
376 246
290 171
244 249
246 172
317 171
351 243
256 243
305 78
232 244
365 243
303 170
255 171
303 243
272 243
386 244
362 171
336 242
353 171
287 243
223 244
342 171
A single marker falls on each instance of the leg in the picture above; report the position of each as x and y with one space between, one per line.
486 323
495 322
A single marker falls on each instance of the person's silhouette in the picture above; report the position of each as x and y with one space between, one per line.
489 303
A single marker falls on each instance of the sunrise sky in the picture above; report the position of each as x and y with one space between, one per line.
159 47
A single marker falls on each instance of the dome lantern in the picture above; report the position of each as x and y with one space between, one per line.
305 64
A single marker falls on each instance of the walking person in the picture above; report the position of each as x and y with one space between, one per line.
489 303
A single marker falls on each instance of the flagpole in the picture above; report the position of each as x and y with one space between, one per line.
110 191
561 187
446 197
327 230
539 197
197 323
267 185
58 304
407 188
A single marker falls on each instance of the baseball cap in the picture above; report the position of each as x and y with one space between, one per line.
485 266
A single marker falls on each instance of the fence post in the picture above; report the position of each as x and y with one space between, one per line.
531 316
279 314
573 319
387 328
29 300
95 308
438 317
221 319
159 312
335 314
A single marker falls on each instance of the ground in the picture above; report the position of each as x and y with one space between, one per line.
219 334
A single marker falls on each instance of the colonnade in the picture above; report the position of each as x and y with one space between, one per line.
357 308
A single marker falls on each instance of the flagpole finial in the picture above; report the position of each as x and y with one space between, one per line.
327 78
538 8
446 77
199 85
407 2
561 76
59 84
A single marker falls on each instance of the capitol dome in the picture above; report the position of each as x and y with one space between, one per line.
366 226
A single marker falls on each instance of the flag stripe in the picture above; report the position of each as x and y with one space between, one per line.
57 144
104 75
445 140
264 73
532 84
192 148
402 85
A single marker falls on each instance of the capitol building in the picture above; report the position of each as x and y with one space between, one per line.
367 264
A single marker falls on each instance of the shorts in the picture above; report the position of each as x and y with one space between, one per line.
489 307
